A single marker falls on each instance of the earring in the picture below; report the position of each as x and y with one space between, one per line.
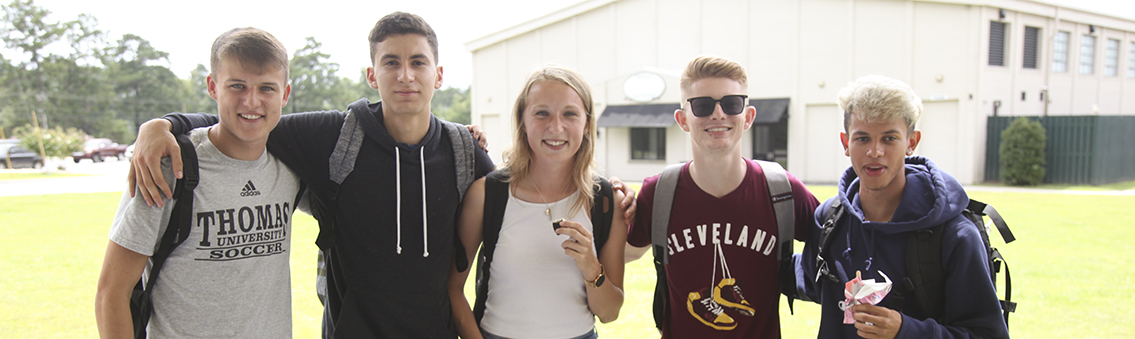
909 152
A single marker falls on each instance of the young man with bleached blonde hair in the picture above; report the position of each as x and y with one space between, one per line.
723 270
888 196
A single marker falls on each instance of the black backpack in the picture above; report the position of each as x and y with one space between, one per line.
496 198
925 275
176 231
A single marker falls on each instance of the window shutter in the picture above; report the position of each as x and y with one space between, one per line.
996 43
1031 38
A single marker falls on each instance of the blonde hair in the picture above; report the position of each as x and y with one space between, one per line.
876 98
518 158
706 66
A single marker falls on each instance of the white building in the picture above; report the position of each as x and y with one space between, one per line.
967 60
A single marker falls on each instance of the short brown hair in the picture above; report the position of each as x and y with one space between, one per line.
253 47
705 66
401 23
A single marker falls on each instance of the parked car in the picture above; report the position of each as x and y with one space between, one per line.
98 149
20 157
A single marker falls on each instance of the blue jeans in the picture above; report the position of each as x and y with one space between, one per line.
588 335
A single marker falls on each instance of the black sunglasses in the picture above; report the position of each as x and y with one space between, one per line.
730 104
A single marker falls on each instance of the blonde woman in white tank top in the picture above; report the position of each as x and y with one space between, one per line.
545 283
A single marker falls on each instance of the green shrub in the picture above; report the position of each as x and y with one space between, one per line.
1022 152
57 142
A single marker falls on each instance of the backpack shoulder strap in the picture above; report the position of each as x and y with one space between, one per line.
176 231
827 232
342 160
664 190
924 261
977 211
660 217
924 269
464 148
982 208
496 198
783 207
602 212
341 163
780 195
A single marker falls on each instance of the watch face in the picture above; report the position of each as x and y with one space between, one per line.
599 282
644 86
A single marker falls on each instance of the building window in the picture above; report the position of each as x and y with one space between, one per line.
1060 52
1111 68
1031 46
996 43
1131 60
1087 54
648 143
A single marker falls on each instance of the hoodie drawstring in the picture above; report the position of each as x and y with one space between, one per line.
425 223
398 199
398 196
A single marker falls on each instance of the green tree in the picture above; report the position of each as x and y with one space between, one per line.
199 100
145 90
452 104
67 90
361 89
100 89
315 87
26 28
1022 152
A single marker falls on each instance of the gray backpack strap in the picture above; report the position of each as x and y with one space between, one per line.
660 218
780 194
342 160
341 163
464 148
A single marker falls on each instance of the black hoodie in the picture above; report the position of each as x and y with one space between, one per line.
390 269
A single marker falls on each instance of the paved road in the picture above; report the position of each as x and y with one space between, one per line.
107 176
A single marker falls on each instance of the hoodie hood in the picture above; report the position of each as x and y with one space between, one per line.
931 197
369 115
371 123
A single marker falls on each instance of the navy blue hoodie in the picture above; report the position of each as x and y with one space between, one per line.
931 197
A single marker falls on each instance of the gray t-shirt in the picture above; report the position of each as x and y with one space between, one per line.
230 278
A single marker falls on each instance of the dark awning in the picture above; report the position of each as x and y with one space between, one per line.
769 111
654 115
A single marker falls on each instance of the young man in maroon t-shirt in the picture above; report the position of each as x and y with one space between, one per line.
723 269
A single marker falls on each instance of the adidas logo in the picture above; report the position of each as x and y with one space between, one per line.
249 190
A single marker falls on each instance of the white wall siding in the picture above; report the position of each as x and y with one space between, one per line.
806 50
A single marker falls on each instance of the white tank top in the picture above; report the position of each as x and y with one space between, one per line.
535 289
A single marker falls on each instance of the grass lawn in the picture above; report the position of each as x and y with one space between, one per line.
1069 274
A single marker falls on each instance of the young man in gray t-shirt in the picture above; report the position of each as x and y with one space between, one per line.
231 277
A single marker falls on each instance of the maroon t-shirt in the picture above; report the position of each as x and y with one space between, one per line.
723 270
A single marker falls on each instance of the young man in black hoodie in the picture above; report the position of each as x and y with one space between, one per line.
386 230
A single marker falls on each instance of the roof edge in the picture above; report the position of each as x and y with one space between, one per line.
531 25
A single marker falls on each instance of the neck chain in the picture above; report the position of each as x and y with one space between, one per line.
547 207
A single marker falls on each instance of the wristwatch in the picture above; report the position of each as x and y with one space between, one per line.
598 280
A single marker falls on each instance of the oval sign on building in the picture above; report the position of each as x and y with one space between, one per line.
644 86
